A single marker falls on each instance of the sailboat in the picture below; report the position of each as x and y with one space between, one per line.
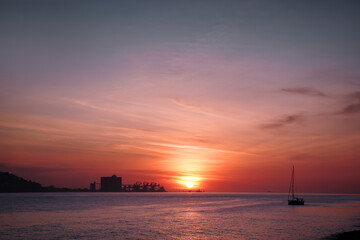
292 199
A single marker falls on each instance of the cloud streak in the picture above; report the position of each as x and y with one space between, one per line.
304 91
197 108
86 104
287 120
353 107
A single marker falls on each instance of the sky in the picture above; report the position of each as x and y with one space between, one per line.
227 95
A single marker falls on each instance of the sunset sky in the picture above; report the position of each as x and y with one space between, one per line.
227 95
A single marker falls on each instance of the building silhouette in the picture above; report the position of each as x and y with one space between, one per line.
111 184
114 184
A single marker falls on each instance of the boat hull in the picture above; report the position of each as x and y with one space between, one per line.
297 201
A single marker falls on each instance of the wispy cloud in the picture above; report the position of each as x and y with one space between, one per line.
186 105
86 104
199 148
304 91
199 108
289 119
354 106
134 128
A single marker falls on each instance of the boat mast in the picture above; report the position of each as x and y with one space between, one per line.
292 185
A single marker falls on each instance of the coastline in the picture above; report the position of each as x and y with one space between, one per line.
351 235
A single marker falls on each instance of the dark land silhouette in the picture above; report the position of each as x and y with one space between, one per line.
12 183
352 235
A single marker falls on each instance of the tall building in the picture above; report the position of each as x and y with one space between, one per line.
111 184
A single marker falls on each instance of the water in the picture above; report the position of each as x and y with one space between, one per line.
174 216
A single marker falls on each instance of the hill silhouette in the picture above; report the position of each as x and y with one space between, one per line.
12 183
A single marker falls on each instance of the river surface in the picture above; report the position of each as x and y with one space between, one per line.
174 216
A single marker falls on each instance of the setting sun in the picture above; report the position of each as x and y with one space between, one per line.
189 184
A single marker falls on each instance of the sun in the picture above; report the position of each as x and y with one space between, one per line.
189 184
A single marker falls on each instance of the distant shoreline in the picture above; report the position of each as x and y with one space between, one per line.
351 235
